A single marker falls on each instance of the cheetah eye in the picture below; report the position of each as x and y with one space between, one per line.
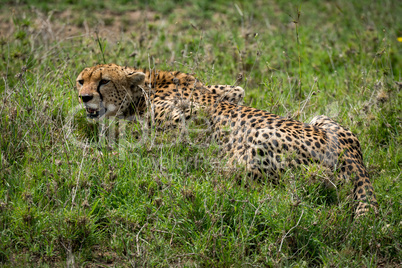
81 82
104 82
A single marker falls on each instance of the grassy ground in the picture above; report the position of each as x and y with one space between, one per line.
169 205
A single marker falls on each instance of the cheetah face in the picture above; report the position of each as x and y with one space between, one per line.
108 90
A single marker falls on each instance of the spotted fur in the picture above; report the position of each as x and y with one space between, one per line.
265 143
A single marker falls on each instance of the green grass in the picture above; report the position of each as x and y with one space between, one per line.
171 205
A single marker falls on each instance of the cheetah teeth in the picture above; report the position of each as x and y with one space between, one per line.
91 111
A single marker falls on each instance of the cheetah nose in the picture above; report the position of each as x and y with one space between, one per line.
86 97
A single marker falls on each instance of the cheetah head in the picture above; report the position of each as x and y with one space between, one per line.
109 90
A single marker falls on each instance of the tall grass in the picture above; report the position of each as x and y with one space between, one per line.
62 203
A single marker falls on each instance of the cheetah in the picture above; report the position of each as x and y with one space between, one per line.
264 143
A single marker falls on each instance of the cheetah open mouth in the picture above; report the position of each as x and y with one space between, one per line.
94 113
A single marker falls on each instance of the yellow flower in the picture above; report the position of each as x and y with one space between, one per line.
399 39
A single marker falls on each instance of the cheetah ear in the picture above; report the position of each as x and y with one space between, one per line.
135 78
